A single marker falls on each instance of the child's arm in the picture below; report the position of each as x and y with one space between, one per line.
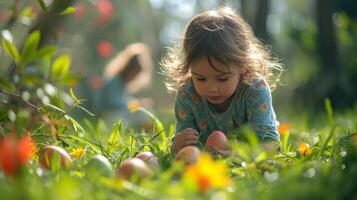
186 130
260 112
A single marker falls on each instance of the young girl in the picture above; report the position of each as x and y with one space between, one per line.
222 75
126 74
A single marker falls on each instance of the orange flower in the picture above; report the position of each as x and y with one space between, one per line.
283 129
15 153
133 105
304 149
78 152
26 149
207 174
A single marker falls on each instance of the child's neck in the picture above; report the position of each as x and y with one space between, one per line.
222 107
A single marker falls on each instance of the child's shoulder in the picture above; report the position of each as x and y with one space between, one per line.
187 90
258 85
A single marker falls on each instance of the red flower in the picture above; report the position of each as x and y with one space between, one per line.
105 10
15 153
105 49
25 149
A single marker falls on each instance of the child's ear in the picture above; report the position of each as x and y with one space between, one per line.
242 70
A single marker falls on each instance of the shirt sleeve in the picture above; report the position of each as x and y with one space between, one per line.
184 113
260 112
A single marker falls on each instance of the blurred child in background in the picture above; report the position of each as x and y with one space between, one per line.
126 74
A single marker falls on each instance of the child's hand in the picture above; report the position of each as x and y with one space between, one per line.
223 152
184 138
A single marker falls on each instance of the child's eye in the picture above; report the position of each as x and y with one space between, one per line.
223 79
200 79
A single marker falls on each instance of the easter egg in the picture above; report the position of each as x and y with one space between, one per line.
149 158
188 155
97 166
217 140
133 169
54 157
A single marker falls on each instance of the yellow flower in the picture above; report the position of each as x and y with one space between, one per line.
304 149
355 139
207 174
78 152
133 105
283 129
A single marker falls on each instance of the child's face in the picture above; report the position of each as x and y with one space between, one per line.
216 86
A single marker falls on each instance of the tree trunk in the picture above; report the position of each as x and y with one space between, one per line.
326 37
261 16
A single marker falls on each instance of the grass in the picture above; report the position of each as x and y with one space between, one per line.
325 171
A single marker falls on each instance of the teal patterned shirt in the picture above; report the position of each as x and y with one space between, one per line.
251 105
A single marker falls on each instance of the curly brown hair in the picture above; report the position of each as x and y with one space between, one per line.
134 55
225 36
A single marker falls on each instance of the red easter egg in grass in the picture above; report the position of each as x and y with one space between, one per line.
52 156
217 140
149 158
189 155
133 169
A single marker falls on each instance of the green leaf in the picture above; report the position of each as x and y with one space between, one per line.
56 108
60 66
329 111
7 85
70 79
30 47
85 110
82 141
68 10
43 6
73 95
75 124
11 50
45 51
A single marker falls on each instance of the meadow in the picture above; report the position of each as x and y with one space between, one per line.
48 153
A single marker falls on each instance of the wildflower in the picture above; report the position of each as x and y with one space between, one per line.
105 10
26 149
105 49
304 149
283 129
207 174
78 152
15 153
133 105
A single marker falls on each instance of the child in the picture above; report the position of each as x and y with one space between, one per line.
221 74
126 74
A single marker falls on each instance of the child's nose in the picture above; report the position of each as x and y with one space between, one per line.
212 88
